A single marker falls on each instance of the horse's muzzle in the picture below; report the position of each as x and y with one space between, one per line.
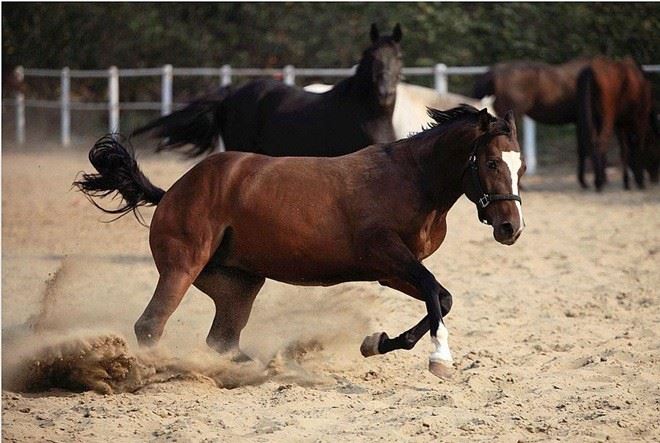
387 99
507 233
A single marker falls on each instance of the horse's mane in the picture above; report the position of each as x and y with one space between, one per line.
447 119
451 115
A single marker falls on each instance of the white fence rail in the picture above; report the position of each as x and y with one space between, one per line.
440 73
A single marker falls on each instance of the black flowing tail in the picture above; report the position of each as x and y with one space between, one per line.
484 85
118 173
588 120
198 124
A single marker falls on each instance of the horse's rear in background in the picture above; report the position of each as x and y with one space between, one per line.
373 215
268 117
615 98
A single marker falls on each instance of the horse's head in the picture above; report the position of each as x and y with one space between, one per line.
381 65
491 182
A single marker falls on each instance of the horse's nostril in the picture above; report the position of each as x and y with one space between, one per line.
507 229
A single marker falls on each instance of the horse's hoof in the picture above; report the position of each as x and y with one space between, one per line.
370 344
441 369
240 357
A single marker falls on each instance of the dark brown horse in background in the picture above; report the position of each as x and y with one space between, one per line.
268 117
547 93
373 215
614 97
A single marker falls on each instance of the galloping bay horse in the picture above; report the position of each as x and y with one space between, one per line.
373 215
268 117
614 97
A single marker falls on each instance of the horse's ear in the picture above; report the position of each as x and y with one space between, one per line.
511 120
484 120
374 34
397 34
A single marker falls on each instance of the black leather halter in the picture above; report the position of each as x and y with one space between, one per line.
485 198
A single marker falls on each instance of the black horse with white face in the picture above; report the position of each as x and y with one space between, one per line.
269 117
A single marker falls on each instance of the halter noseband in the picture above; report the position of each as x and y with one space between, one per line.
486 198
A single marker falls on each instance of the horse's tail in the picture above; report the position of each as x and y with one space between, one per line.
198 124
588 121
118 173
485 85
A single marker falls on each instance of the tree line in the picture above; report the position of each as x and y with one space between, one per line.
97 35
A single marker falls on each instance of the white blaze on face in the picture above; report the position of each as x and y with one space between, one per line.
514 162
441 352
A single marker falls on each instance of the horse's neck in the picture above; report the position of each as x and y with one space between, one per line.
441 165
360 88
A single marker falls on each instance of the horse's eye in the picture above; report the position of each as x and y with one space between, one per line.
492 164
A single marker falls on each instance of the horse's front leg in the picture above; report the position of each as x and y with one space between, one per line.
415 280
381 343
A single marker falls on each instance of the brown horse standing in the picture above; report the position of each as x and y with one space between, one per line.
374 215
615 97
547 93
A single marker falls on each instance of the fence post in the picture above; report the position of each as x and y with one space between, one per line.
289 75
113 99
529 144
65 106
166 90
440 74
20 105
225 75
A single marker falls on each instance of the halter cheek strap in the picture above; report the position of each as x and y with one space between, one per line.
485 198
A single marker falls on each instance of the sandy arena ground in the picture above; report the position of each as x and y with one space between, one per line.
554 338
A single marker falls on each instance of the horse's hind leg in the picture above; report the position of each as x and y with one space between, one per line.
233 291
170 289
635 156
625 156
583 152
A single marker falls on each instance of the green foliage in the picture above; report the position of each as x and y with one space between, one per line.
97 35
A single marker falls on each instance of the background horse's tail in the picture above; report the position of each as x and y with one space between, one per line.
198 124
484 85
118 172
588 120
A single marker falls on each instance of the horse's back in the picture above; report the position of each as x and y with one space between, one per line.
545 92
278 213
240 119
410 110
302 123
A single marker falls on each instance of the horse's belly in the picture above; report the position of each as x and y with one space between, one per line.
299 270
302 257
554 116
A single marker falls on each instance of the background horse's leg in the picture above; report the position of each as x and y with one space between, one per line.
584 142
625 155
170 289
599 157
637 144
233 291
